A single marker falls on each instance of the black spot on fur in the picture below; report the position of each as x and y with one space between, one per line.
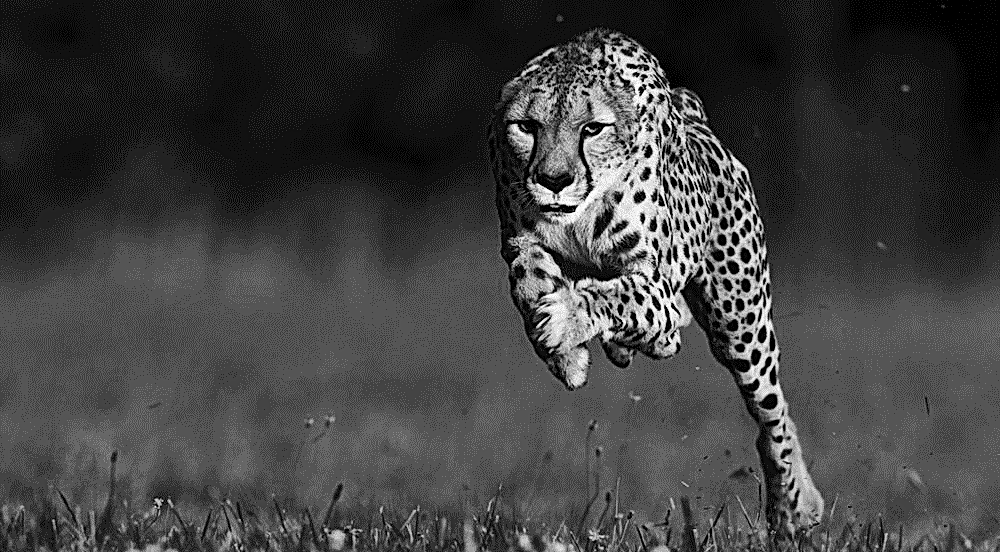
744 255
648 152
713 166
733 325
740 365
769 402
762 334
649 316
519 272
619 227
755 357
747 337
602 221
645 175
540 274
639 196
617 196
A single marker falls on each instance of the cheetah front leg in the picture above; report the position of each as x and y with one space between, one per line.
629 313
657 340
732 303
558 335
634 312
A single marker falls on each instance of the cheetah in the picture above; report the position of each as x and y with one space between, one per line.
623 218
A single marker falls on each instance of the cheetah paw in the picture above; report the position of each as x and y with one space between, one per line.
619 355
668 343
559 330
664 346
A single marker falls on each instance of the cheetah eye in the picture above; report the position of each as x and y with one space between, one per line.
526 126
593 129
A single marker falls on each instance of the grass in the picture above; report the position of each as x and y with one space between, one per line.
52 523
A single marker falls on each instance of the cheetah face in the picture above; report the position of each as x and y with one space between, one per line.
564 146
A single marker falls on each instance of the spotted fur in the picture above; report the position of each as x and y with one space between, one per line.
622 214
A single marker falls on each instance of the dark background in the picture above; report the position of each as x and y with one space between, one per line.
218 219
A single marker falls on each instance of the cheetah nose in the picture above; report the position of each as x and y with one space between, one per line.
555 183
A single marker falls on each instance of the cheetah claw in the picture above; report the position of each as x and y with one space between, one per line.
560 329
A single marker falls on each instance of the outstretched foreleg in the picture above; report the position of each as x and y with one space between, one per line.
534 278
632 312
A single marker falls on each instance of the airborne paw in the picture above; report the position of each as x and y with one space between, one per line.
560 328
664 346
668 342
561 320
570 367
619 355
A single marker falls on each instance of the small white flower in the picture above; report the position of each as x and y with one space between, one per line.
556 547
338 539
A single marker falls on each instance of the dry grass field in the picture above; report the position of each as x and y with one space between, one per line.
597 523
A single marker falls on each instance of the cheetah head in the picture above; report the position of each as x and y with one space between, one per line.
569 126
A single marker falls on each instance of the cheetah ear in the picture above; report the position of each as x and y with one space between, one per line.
688 105
674 121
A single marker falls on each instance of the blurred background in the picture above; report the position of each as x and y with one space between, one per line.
220 219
